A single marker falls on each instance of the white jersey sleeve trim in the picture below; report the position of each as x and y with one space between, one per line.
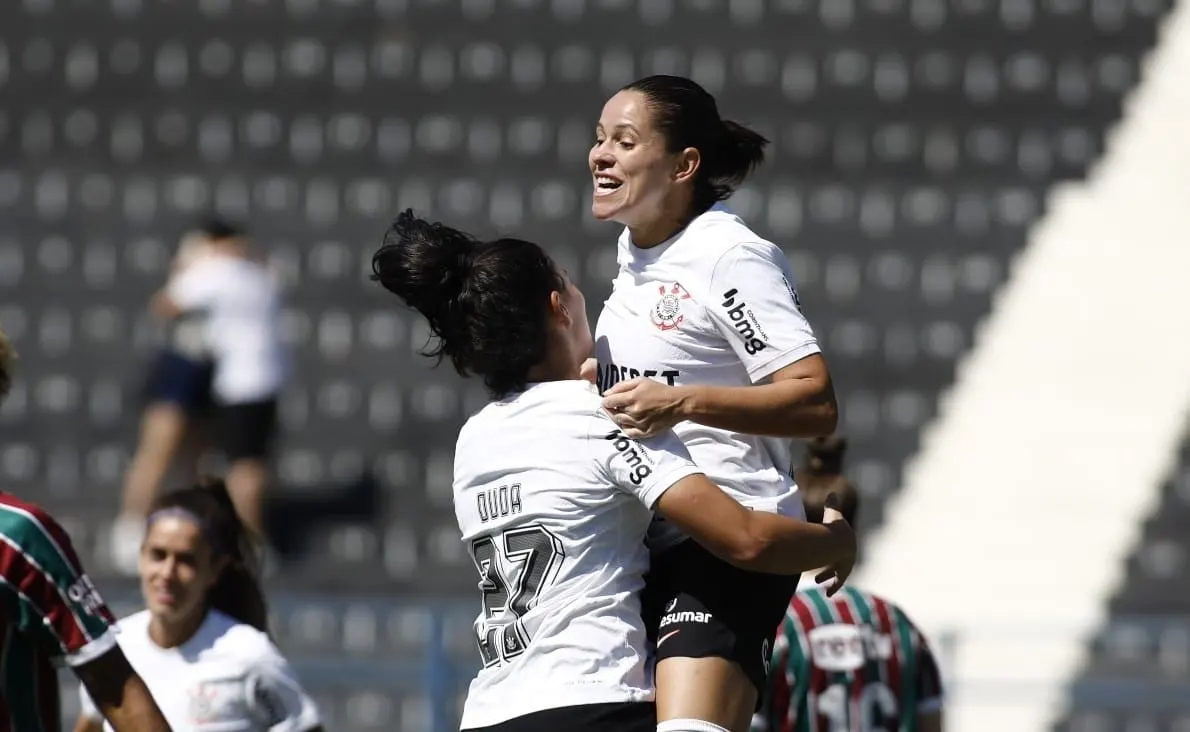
92 650
929 706
781 360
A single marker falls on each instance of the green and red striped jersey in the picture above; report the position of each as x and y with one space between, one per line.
49 613
849 663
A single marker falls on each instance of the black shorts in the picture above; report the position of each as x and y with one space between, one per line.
246 430
181 380
695 605
616 717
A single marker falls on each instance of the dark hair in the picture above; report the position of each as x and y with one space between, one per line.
821 474
8 357
487 302
686 114
237 592
216 228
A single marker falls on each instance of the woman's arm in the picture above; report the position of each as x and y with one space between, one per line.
799 402
756 540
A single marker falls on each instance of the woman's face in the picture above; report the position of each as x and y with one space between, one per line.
176 569
631 170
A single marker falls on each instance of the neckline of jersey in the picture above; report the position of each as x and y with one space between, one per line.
654 252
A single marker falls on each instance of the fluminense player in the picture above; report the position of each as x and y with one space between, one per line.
50 612
851 662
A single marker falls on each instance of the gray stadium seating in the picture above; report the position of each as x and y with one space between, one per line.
913 145
1137 672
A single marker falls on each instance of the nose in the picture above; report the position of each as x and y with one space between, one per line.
601 157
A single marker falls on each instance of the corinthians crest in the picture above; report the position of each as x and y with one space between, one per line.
667 313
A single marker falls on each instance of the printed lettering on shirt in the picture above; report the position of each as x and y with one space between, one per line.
797 301
745 323
667 313
610 374
637 459
495 503
84 595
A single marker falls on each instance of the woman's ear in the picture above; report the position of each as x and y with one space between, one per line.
558 308
688 163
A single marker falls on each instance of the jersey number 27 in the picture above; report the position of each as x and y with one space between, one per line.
532 555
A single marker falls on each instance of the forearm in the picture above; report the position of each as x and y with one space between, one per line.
786 408
787 546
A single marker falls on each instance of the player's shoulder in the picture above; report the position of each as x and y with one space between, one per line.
226 637
550 400
719 231
134 629
23 522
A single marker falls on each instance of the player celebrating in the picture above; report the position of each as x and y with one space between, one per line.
51 611
553 500
703 332
852 662
204 633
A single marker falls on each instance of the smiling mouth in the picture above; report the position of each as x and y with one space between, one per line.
606 185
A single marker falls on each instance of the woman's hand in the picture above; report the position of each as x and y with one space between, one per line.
643 407
839 570
589 371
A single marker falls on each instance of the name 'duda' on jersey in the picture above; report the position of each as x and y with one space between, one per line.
667 313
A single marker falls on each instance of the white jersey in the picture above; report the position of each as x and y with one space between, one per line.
241 300
227 678
716 304
553 503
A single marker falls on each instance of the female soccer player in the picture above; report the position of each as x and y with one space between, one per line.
201 644
703 333
553 500
178 399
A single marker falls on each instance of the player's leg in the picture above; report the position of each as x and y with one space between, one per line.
713 639
170 392
247 432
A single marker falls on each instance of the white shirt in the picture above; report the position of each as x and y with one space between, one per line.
716 304
227 678
242 301
553 503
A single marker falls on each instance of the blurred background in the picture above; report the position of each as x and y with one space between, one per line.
983 202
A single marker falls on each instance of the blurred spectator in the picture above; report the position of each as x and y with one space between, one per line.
178 395
227 281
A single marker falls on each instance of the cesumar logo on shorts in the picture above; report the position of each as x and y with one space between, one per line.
744 321
632 454
685 616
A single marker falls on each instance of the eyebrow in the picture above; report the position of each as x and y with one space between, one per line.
620 126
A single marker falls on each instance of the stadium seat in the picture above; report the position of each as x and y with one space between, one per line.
905 171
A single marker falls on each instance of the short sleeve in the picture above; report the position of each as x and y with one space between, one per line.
756 307
276 698
929 679
58 606
194 287
643 468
